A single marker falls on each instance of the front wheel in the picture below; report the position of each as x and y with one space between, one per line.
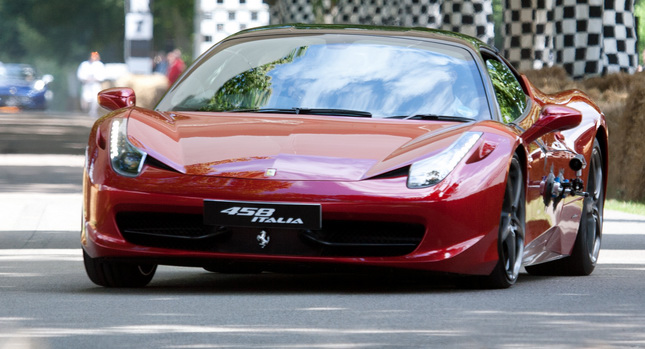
510 244
117 274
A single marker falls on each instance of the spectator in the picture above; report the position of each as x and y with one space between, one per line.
175 66
640 66
91 74
160 64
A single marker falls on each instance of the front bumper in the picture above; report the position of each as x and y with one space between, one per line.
454 224
24 101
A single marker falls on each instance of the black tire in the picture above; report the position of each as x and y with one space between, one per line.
510 245
586 248
115 274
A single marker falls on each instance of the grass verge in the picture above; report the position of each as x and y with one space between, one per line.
625 206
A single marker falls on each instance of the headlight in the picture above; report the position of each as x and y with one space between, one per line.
434 169
126 159
39 85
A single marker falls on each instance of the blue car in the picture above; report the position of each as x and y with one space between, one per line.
21 87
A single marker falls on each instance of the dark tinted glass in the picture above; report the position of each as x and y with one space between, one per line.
380 75
508 91
17 72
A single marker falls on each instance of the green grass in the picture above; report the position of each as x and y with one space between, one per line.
625 206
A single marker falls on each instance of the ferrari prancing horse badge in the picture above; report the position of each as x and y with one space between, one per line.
263 238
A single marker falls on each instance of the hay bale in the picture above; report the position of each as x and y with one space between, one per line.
550 79
611 102
148 88
621 98
620 82
627 149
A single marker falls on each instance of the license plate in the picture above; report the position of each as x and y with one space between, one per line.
264 215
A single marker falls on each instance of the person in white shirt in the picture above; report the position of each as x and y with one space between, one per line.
91 73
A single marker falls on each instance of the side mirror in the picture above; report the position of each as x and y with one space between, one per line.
553 118
117 98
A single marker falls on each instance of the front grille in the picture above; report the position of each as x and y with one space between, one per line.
336 238
189 226
367 238
367 233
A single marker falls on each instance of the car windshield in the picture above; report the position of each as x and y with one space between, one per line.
339 74
21 72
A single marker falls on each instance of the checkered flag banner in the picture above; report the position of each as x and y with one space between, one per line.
471 17
528 39
619 37
301 11
587 38
579 37
370 12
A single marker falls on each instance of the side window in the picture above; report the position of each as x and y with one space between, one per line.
508 91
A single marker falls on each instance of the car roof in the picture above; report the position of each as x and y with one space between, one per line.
412 32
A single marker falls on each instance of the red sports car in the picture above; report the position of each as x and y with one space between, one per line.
320 147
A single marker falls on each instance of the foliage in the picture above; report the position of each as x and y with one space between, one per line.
626 206
66 31
56 36
508 91
498 18
639 12
60 31
250 89
173 25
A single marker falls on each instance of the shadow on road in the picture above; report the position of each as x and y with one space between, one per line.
198 282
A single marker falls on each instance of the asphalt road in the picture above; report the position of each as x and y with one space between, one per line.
46 300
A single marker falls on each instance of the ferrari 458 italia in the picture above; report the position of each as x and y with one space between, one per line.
327 147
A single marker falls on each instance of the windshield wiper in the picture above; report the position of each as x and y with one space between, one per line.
437 117
307 111
334 112
261 110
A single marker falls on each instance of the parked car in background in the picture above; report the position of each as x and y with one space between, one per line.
21 86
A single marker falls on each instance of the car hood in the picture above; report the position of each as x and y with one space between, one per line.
19 88
16 83
286 147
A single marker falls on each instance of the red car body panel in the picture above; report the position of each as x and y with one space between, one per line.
551 231
355 168
303 147
447 207
479 183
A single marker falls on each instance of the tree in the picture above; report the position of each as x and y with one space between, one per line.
66 31
60 31
639 12
56 36
173 25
